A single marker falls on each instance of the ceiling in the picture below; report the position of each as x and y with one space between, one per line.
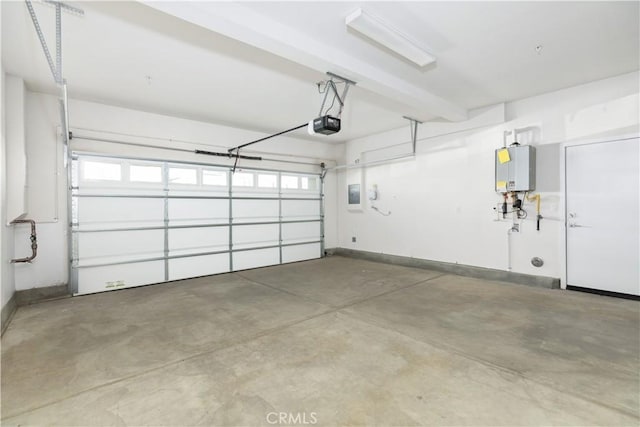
255 64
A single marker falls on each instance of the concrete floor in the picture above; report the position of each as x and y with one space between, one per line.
337 341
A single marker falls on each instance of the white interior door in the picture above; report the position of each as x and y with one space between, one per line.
603 216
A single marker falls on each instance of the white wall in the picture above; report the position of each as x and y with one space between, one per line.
6 232
16 163
441 202
46 178
7 283
14 200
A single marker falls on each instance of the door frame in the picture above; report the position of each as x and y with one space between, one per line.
563 184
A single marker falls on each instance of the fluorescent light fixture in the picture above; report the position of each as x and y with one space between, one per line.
380 32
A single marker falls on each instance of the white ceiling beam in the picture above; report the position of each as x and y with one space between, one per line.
244 24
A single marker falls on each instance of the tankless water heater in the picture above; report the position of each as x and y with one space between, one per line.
515 168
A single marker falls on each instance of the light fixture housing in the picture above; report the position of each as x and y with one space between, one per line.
380 32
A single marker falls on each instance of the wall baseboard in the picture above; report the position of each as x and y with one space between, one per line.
7 313
30 296
34 295
459 269
603 292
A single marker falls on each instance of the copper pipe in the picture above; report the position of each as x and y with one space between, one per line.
33 238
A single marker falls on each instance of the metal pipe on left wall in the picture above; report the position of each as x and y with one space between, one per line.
33 238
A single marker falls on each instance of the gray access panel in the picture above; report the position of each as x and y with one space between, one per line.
519 172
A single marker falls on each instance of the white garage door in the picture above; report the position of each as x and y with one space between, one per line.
138 222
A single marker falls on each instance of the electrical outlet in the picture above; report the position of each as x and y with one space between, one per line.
353 239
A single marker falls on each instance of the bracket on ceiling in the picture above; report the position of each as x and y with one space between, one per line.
413 123
328 85
56 69
331 84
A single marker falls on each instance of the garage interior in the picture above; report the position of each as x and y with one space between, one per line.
320 213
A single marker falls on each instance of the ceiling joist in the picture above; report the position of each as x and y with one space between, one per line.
246 25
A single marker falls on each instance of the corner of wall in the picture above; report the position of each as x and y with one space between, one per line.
7 278
15 147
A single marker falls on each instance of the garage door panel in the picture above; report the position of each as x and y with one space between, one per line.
300 232
288 194
300 209
194 266
184 241
117 246
240 193
119 212
202 191
247 236
257 258
198 211
111 277
301 252
255 210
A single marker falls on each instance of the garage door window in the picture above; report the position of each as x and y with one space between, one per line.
289 182
183 176
139 173
267 180
214 177
101 171
243 179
